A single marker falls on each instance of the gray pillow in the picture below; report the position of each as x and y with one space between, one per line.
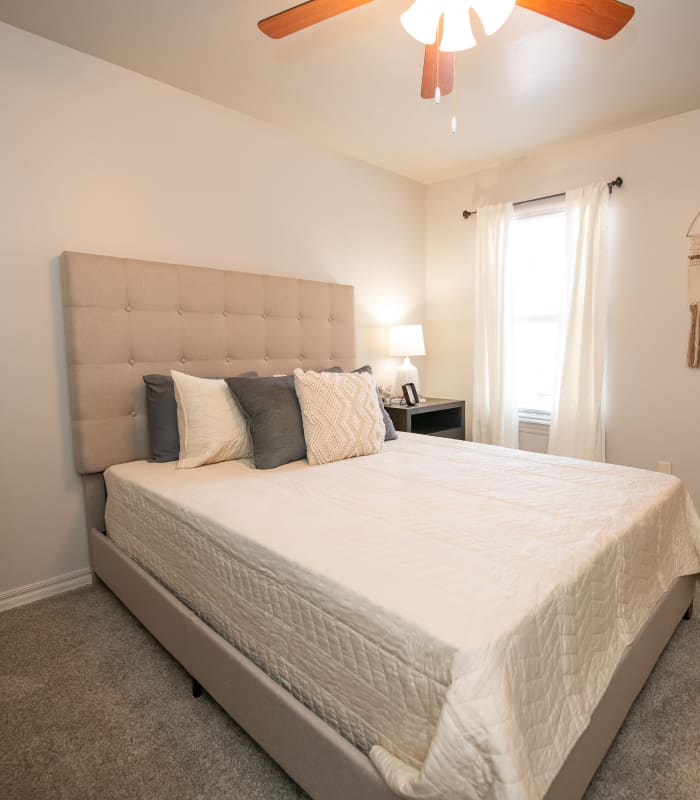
388 424
274 419
161 412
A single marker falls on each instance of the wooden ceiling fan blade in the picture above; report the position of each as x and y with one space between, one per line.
435 74
601 18
438 68
304 15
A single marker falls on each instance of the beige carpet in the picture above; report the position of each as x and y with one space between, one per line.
92 707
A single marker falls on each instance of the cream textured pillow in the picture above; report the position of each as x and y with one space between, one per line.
210 423
341 415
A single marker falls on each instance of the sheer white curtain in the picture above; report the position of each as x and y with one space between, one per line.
495 414
578 427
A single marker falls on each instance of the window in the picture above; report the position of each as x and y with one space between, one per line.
537 262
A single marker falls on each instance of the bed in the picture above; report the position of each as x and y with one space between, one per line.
620 547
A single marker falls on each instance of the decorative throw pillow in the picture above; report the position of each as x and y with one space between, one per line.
161 411
340 414
210 424
272 411
388 423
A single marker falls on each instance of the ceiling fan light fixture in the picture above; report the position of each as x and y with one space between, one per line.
421 20
456 30
493 13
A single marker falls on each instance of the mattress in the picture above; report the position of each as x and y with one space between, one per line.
455 610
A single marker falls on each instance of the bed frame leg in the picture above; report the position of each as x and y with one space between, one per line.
196 688
689 612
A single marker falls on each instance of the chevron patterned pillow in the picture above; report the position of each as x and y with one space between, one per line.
341 415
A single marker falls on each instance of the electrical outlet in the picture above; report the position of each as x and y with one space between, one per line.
664 466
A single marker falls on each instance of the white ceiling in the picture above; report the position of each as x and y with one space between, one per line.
352 83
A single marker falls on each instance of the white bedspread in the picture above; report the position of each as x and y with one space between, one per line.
456 609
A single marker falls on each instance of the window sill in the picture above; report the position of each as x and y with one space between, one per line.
534 419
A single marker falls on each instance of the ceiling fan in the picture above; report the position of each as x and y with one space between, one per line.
600 18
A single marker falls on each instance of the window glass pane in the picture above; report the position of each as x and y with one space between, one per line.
535 358
537 261
538 256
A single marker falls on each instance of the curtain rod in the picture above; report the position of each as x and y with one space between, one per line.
611 185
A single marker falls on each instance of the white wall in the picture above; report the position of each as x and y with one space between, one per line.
98 159
653 398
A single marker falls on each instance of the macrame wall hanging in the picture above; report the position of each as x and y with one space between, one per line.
694 296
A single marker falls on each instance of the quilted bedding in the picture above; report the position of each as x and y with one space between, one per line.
456 610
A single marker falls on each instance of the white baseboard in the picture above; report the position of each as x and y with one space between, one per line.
38 591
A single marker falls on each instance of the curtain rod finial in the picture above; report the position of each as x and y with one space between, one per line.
617 182
467 214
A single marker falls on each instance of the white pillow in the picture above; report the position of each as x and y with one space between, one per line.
341 415
211 425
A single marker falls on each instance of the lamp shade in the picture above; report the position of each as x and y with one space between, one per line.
406 340
421 20
457 29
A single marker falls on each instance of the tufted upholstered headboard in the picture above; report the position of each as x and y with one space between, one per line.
125 319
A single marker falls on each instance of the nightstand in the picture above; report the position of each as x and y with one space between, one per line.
435 417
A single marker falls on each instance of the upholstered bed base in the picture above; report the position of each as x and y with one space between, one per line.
321 761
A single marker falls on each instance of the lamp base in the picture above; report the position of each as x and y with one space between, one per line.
406 373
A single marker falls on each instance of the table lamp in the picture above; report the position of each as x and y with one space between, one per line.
406 341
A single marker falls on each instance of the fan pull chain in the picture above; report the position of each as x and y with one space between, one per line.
438 93
438 40
453 121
